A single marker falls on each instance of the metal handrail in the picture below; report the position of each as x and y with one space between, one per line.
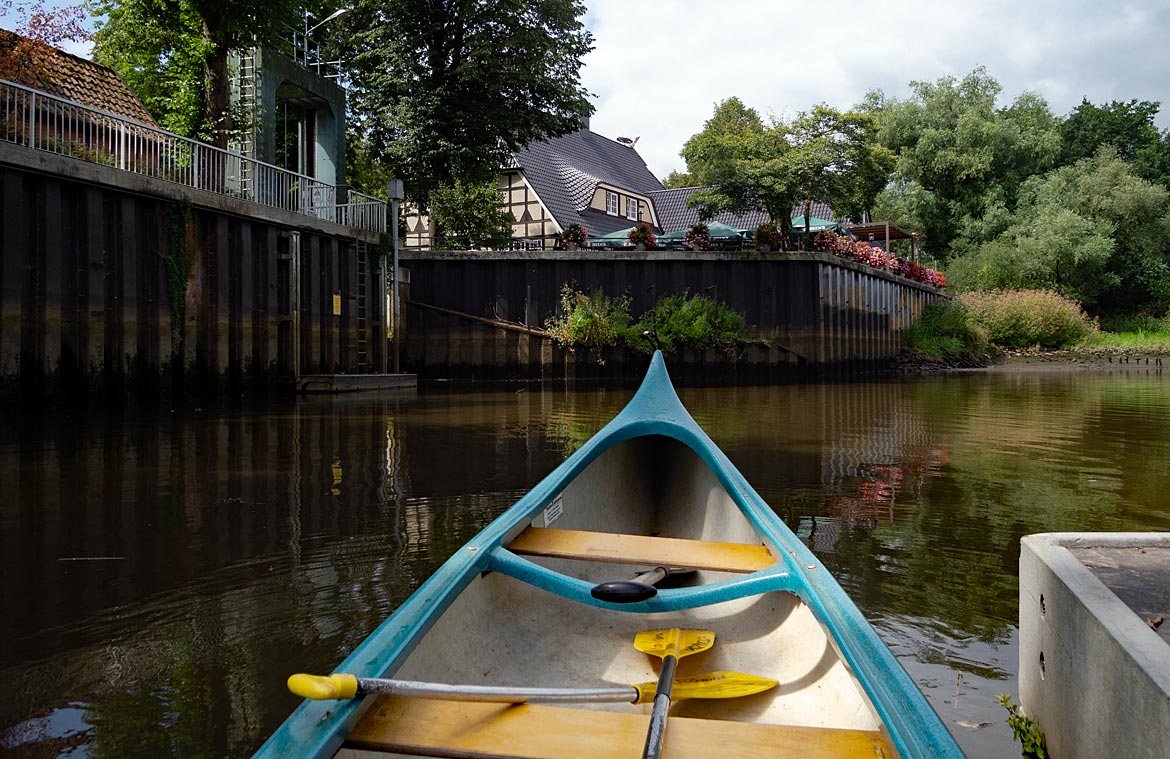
46 122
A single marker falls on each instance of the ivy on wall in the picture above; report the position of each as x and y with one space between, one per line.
179 259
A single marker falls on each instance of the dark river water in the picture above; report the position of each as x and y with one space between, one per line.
162 574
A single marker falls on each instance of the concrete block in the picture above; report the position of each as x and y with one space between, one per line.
1093 673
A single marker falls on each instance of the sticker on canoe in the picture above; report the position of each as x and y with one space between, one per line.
551 513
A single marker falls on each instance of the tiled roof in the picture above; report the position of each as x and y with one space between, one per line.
68 76
566 170
673 213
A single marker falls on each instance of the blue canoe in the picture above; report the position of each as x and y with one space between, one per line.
514 608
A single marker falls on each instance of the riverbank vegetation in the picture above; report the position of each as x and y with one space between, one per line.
597 321
946 332
976 327
1000 196
1130 333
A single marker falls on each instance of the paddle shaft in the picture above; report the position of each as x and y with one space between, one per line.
656 735
497 694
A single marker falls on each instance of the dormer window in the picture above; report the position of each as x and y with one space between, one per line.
611 203
632 209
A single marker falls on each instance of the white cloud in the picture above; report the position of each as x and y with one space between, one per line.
660 66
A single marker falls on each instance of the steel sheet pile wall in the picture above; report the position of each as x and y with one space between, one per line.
812 312
93 281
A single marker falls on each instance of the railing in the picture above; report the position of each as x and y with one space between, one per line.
39 120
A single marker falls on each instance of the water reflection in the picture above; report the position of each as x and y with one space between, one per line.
160 576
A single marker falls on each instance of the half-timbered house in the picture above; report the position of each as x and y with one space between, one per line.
580 178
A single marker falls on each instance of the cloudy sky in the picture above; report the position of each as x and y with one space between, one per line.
659 67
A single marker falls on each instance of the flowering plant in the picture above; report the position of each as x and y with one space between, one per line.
870 255
576 234
642 235
698 237
769 234
1021 318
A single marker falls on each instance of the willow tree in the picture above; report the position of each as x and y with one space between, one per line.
447 90
960 153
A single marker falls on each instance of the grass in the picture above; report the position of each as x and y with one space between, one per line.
1135 333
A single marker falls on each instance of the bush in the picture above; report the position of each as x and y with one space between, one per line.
947 332
1024 318
689 321
591 321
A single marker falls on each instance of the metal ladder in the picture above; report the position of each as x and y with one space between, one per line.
245 141
362 256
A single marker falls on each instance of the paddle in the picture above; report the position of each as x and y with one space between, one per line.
709 685
670 645
641 586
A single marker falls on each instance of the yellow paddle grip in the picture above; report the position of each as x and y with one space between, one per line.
321 688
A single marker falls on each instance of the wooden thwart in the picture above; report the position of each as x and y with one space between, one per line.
640 549
468 730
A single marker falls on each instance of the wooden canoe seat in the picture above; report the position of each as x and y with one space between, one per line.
467 730
640 549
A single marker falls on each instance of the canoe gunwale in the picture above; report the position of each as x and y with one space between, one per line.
318 729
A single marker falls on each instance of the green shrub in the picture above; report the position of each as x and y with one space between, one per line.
590 321
689 321
946 331
1025 318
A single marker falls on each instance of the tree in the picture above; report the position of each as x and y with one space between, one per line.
155 44
676 179
731 129
963 151
447 91
821 155
23 56
159 52
835 159
468 216
1128 128
1094 231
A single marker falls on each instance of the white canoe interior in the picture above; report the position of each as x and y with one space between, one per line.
502 631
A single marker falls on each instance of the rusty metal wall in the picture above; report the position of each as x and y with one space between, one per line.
820 313
85 311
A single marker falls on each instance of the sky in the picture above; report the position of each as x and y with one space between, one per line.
659 67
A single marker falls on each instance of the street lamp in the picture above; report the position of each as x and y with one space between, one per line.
310 29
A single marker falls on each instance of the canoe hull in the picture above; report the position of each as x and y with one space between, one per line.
493 616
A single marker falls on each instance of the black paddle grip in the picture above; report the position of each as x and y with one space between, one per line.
638 588
623 592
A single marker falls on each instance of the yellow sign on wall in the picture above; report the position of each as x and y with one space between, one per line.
337 304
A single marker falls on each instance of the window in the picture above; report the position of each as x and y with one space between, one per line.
631 209
611 203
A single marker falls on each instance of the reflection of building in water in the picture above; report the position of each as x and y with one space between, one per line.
876 446
819 533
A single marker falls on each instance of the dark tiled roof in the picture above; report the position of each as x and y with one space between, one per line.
673 213
68 76
566 170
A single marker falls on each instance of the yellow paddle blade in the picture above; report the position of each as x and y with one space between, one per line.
673 642
320 688
710 685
